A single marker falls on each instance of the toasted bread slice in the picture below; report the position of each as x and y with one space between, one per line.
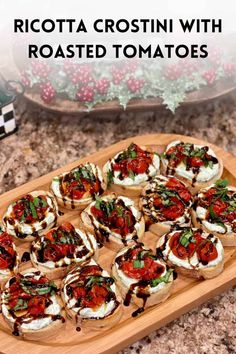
103 318
199 263
69 203
227 240
194 183
50 324
129 285
131 186
83 252
165 203
23 231
104 235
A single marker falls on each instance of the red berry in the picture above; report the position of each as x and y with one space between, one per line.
229 68
69 67
25 79
215 55
118 74
47 92
102 86
173 72
189 66
209 76
134 85
82 74
85 94
40 69
131 66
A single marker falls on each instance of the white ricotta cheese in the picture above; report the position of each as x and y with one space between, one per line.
139 178
129 203
127 281
55 185
27 229
193 261
88 240
101 311
205 173
28 323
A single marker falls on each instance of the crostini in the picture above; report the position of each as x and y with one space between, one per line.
192 252
76 189
9 259
114 220
91 298
166 203
129 170
141 277
61 248
30 305
214 210
196 165
31 215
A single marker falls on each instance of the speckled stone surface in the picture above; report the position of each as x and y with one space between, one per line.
46 141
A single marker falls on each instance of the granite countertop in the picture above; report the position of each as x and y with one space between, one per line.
46 141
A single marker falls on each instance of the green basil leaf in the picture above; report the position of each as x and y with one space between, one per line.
110 178
44 203
222 183
142 254
232 204
164 279
132 154
131 175
23 218
119 211
210 164
138 264
163 155
212 213
98 202
185 237
184 241
20 305
36 202
94 279
33 210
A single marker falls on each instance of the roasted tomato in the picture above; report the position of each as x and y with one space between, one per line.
179 187
134 159
77 194
37 305
52 252
138 165
206 251
3 263
29 209
79 292
90 270
95 297
149 269
119 219
174 211
179 250
210 193
219 207
78 182
195 162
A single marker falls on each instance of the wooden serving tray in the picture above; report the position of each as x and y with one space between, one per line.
187 293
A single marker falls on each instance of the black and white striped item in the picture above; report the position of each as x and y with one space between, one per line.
7 120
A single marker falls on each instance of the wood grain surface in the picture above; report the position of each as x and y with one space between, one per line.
187 293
